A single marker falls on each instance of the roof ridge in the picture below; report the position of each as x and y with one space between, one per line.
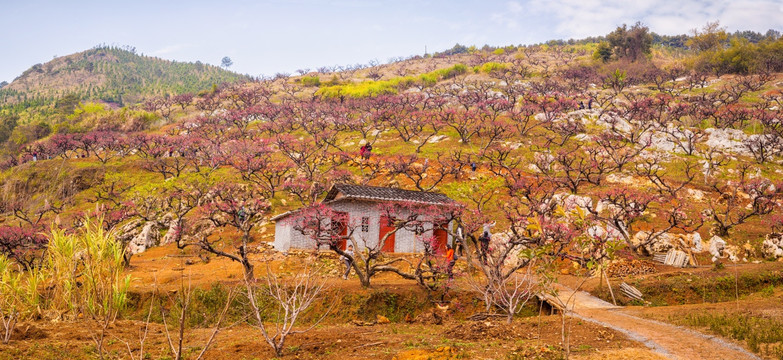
386 193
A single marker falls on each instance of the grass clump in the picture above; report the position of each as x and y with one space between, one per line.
763 335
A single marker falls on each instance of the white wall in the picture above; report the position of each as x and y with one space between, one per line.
282 236
287 238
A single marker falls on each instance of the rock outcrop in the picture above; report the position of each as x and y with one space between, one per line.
146 238
667 241
716 247
772 247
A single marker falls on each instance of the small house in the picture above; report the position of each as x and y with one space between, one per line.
360 206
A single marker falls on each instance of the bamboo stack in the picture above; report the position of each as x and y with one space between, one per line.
631 292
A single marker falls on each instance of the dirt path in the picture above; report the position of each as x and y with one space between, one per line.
672 341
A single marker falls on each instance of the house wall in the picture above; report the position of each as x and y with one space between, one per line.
282 236
356 210
405 241
286 238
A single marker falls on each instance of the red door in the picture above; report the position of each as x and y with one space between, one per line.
441 239
386 227
340 222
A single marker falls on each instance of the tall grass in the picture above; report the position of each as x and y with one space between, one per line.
86 272
9 298
81 277
19 295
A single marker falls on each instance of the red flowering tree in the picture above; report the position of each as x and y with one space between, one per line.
233 206
741 200
23 244
162 154
110 201
516 262
425 174
25 241
176 198
257 163
625 208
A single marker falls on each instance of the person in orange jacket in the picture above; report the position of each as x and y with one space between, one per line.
451 259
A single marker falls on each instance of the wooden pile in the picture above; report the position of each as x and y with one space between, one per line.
674 258
630 267
631 292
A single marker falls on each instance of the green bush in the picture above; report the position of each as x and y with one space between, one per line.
491 67
451 72
311 81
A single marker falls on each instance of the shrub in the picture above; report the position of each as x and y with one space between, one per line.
311 81
451 72
491 67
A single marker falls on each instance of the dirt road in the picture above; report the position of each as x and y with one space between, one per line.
672 341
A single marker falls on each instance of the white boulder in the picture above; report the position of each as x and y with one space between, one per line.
661 244
696 242
731 140
772 247
148 237
609 233
719 249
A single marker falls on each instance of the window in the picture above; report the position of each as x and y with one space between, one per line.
365 223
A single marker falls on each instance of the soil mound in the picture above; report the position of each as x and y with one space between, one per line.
478 330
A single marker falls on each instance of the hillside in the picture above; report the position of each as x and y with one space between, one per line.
586 160
108 74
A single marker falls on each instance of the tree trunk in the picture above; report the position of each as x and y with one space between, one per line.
364 276
365 280
722 231
249 270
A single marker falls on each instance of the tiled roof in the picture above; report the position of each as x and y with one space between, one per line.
375 193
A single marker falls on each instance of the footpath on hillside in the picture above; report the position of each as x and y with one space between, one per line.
672 341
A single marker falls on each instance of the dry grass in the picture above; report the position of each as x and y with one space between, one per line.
623 354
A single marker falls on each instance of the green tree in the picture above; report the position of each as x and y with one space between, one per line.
67 104
631 43
603 52
226 62
770 55
739 58
711 37
7 125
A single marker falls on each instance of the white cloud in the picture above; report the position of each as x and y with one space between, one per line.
515 7
508 18
581 18
753 15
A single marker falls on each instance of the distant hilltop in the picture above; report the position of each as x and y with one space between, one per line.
113 75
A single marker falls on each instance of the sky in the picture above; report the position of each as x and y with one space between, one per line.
266 37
